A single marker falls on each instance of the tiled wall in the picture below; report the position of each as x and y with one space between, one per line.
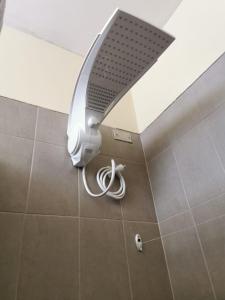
185 154
56 242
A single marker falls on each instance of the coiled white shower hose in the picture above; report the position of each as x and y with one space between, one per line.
102 175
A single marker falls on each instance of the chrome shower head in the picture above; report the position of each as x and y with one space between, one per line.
124 50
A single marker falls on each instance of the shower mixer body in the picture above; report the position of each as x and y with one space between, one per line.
122 52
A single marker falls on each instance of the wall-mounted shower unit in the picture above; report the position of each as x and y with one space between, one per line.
122 52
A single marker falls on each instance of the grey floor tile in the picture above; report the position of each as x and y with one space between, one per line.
186 266
15 164
104 273
176 223
216 125
54 182
212 235
169 197
17 118
103 207
52 127
10 243
199 166
138 202
115 148
148 270
49 266
209 210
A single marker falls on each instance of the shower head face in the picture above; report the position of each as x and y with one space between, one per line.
128 48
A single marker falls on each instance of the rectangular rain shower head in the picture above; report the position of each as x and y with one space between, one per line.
129 48
124 50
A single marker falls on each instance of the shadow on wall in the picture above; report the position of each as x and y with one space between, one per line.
193 105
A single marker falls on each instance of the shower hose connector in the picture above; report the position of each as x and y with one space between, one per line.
103 175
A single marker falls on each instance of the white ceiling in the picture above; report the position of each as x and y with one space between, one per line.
74 24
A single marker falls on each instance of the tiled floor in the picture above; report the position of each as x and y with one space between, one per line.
56 242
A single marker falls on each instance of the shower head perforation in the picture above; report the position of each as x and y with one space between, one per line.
129 48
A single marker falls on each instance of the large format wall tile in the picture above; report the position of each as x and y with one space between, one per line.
210 87
186 266
51 127
131 151
49 266
138 203
176 223
209 210
17 118
103 273
53 182
212 235
10 241
148 271
15 164
169 197
199 166
216 125
103 207
155 137
119 149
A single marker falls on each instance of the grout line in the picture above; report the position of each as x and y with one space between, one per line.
149 181
177 231
12 212
201 120
164 251
126 252
32 163
125 160
24 216
51 215
211 220
143 222
166 261
167 147
52 143
196 230
79 235
214 146
152 240
175 215
208 201
168 270
76 217
197 206
16 136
